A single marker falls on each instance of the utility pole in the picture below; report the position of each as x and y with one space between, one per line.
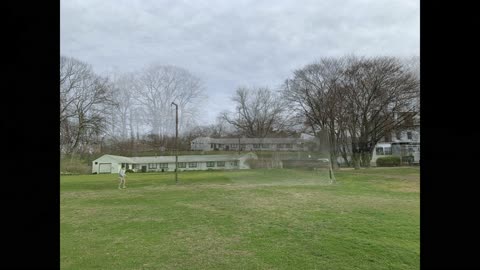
176 139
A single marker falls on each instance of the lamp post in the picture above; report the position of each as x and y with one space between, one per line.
176 138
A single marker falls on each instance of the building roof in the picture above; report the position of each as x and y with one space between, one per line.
251 140
119 159
170 159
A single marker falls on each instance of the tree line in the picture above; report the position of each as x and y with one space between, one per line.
349 103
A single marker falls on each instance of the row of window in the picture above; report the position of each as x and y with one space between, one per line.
398 136
157 165
234 146
380 151
190 164
288 145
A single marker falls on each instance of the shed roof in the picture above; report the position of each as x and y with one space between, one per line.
119 159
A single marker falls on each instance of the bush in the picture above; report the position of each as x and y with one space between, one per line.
74 166
388 161
129 171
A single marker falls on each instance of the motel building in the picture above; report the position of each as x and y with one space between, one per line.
112 163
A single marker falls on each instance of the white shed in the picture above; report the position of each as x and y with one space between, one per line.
111 164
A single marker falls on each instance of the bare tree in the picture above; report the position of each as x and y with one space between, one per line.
123 114
380 93
84 99
313 94
157 86
355 101
259 112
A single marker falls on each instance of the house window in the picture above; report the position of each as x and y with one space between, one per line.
235 163
182 165
398 135
96 163
233 145
152 165
379 151
256 145
409 135
220 163
288 145
163 165
210 164
192 164
265 145
134 166
279 145
388 150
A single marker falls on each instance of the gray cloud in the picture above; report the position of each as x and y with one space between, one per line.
233 43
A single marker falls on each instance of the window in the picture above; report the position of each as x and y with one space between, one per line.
192 164
134 166
288 145
265 145
279 145
234 163
182 165
398 135
233 145
256 145
379 151
388 150
409 135
210 164
163 165
152 165
220 163
96 163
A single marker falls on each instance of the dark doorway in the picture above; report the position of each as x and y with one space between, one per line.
144 168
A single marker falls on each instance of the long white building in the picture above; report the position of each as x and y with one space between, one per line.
248 144
112 163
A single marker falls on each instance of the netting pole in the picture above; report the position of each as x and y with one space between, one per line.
332 176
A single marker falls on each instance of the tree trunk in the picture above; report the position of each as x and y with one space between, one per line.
356 159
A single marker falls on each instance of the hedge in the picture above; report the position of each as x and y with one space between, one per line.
388 161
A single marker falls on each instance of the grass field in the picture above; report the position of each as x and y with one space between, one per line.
252 219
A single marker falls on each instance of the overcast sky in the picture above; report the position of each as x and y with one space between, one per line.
234 43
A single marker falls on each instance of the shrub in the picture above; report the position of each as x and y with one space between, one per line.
74 166
129 171
388 161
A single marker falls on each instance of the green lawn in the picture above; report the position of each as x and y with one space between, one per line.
252 219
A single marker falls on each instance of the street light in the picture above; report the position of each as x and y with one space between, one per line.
176 138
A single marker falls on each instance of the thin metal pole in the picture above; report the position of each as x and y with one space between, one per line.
176 145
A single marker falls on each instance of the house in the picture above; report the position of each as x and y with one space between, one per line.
404 142
248 144
409 152
112 163
410 132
